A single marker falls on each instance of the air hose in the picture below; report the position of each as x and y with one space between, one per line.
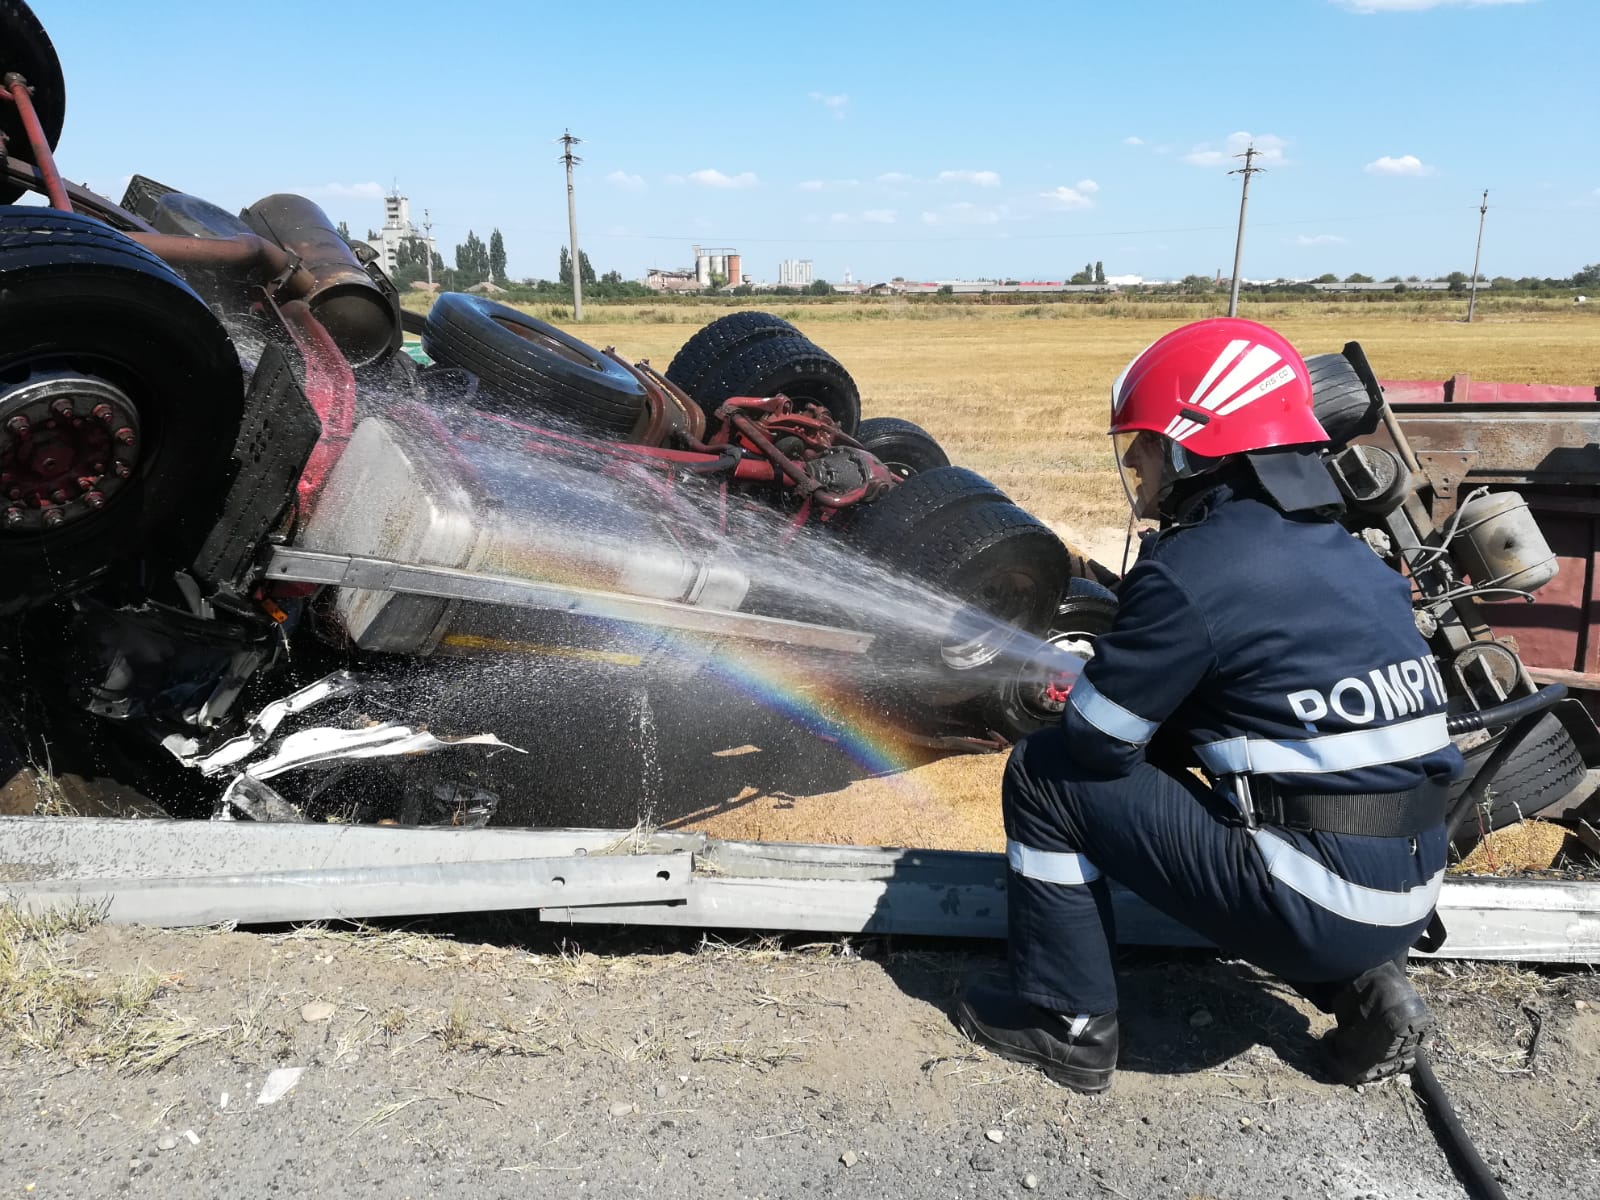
1511 710
1521 715
1469 1166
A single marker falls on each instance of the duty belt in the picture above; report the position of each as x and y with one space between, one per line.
1365 814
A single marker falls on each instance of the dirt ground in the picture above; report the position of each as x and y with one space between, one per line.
614 1065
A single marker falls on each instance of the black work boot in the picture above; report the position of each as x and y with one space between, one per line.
1382 1022
1000 1020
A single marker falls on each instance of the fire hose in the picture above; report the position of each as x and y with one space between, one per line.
1520 715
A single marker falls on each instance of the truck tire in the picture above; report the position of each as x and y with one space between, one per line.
1339 397
112 370
789 364
700 355
904 448
872 528
956 534
1546 767
527 368
26 49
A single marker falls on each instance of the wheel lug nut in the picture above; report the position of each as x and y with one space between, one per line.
13 516
15 493
54 516
85 482
62 408
94 499
103 412
20 426
59 496
123 470
125 436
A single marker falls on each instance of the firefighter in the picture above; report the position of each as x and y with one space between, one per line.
1258 640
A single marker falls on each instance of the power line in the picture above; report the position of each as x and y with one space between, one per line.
701 235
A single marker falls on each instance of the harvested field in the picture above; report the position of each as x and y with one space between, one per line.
1023 398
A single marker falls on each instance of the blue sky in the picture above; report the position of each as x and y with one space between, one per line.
926 139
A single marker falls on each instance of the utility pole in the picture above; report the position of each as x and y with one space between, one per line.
427 237
1472 296
1238 244
567 156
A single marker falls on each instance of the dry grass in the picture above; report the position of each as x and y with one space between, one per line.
1024 400
531 1036
49 1005
760 1054
1020 393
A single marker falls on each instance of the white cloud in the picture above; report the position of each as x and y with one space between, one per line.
981 178
1066 197
1406 164
347 191
713 178
834 104
1269 150
828 185
621 179
1319 239
895 178
1087 186
1133 141
1376 6
872 216
966 213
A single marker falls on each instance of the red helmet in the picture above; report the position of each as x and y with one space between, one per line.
1218 387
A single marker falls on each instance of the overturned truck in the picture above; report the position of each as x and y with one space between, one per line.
230 498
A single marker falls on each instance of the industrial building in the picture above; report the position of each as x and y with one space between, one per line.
795 272
397 228
717 260
660 280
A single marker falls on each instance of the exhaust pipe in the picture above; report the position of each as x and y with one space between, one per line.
363 321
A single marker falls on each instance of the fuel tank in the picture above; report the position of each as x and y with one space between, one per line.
416 496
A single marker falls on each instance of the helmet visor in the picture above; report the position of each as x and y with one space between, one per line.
1140 462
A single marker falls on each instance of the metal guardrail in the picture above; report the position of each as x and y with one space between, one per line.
194 873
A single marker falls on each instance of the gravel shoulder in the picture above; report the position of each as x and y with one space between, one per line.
501 1059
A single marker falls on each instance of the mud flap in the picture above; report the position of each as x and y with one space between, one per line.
276 437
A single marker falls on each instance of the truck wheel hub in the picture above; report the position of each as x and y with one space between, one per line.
68 444
1034 679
